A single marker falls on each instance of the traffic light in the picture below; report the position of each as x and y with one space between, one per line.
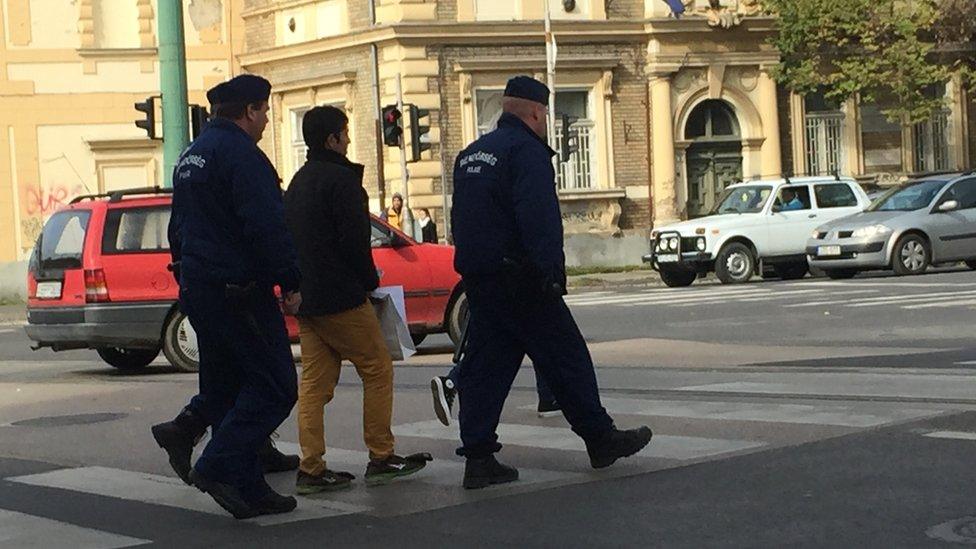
392 126
148 107
198 119
568 142
419 132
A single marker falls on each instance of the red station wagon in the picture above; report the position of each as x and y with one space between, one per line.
98 279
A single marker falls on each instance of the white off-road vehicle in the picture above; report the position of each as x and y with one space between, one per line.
754 225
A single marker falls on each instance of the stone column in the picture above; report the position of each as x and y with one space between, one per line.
771 158
662 139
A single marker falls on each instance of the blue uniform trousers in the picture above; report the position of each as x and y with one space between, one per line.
503 329
541 389
248 383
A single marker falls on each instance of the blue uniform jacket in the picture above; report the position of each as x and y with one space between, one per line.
505 205
228 222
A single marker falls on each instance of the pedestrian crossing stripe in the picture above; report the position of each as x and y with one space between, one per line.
22 530
681 448
808 294
838 415
170 492
952 435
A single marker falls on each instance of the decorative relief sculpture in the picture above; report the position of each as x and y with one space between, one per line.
727 15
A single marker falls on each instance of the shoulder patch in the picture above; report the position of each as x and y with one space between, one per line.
473 163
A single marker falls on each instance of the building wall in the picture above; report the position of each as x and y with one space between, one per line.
69 75
622 51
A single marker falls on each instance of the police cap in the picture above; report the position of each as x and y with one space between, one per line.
245 88
524 87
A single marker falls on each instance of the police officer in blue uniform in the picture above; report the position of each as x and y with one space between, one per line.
229 241
508 237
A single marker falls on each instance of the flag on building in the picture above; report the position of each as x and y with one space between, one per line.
677 8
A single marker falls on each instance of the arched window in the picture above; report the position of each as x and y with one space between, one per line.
712 120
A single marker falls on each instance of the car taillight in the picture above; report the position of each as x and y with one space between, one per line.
96 291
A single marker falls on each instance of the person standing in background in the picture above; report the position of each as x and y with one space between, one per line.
428 229
394 214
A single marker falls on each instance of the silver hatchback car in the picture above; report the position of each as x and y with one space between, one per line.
922 222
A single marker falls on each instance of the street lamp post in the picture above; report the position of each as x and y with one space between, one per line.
172 84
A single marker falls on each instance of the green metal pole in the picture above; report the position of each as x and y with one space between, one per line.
172 84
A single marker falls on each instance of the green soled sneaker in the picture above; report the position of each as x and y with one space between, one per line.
383 472
327 481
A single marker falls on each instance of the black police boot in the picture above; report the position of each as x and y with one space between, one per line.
273 461
617 444
274 503
483 472
177 438
227 496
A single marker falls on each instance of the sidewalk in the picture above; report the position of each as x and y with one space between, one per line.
639 278
13 314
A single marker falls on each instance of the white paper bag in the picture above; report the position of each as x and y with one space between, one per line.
391 310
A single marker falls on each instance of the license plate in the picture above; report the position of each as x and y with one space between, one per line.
670 258
48 290
828 251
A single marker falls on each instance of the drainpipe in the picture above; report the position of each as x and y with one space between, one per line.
650 152
378 111
442 123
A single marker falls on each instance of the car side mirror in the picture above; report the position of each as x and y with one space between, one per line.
398 241
948 206
777 208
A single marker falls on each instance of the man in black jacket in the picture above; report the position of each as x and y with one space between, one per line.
327 212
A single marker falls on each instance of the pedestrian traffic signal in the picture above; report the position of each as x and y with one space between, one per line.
148 107
392 126
198 119
419 132
568 141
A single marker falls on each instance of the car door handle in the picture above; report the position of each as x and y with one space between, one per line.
812 216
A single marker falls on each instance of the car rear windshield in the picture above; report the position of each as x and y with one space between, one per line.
136 230
63 240
743 199
909 197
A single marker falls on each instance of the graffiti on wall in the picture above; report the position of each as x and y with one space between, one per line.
43 202
37 203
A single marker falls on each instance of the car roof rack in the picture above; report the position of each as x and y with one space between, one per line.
920 175
117 196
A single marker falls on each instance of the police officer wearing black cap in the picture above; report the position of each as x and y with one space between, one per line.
229 240
508 238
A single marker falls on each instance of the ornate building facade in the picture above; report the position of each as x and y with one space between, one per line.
669 110
70 72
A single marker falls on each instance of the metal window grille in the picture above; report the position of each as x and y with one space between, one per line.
577 173
824 140
931 139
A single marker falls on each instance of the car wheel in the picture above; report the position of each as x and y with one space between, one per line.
794 271
128 359
180 343
840 274
735 264
912 255
457 317
418 339
971 264
678 278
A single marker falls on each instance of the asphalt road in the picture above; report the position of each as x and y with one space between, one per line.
810 413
